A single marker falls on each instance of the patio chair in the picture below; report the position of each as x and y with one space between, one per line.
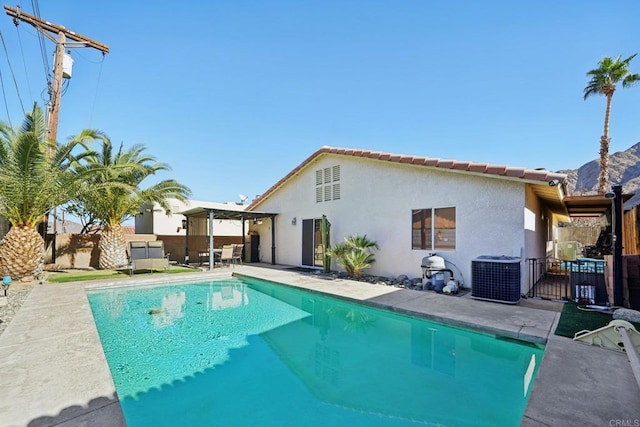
137 250
226 255
155 249
237 253
147 256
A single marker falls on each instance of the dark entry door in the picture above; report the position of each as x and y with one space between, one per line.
311 243
307 241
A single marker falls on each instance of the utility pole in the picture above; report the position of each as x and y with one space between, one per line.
55 91
48 29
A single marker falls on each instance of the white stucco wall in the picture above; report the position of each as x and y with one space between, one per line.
156 220
377 199
537 224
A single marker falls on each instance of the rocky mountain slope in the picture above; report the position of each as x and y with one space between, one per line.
624 169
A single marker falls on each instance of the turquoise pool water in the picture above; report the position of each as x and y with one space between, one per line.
234 353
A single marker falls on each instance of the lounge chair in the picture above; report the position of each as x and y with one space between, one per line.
147 256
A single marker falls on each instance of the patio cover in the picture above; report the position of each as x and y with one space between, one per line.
590 205
211 214
599 204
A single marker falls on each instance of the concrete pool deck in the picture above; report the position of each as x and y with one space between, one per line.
53 371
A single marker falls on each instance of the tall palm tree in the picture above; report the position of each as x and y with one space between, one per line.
112 194
32 183
603 82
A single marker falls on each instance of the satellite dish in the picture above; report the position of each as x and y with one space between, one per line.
243 198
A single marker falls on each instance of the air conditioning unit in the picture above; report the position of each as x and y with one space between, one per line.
496 278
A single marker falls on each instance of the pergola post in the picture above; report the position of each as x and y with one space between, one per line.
211 257
273 240
186 240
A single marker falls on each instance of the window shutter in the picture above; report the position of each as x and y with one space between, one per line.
336 191
319 177
327 193
318 194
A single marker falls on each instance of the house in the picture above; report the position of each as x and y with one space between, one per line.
152 219
411 206
172 229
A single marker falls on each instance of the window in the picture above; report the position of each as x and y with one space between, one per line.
433 229
328 184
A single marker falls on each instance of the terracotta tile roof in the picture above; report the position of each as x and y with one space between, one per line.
465 166
129 229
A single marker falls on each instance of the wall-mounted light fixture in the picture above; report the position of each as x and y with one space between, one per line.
554 183
294 220
184 224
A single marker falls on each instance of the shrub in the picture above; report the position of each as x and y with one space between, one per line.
354 254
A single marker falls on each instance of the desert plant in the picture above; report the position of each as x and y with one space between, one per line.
354 254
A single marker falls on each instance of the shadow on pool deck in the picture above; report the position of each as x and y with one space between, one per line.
57 373
101 411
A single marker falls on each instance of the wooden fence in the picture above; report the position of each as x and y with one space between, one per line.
630 229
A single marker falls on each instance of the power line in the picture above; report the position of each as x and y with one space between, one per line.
12 73
4 95
86 58
95 98
24 63
43 46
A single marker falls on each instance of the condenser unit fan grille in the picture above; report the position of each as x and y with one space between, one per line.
496 278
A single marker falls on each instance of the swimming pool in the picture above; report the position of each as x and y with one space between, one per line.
249 352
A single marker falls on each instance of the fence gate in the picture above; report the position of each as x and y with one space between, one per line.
555 279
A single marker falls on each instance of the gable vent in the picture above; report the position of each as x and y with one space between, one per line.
327 193
328 184
336 191
336 173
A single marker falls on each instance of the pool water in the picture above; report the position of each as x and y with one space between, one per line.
234 353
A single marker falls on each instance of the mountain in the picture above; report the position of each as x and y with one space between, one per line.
624 169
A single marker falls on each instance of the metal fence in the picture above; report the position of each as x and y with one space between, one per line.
579 280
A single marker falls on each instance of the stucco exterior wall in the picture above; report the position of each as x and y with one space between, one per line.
154 220
377 199
536 232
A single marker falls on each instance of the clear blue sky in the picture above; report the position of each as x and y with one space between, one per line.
234 94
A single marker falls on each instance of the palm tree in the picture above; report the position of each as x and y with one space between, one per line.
32 183
112 194
603 82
